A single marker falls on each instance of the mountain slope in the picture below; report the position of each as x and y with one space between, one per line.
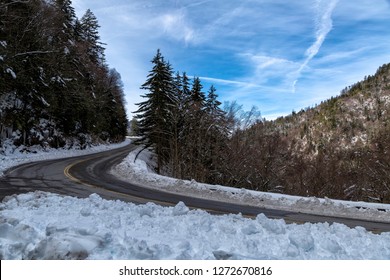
338 149
353 119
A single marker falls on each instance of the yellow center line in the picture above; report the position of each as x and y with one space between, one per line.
76 180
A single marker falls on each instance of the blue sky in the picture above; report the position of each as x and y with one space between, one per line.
278 55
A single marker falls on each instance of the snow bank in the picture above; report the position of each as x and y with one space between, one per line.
48 226
140 172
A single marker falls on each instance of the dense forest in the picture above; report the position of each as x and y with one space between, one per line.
338 149
56 88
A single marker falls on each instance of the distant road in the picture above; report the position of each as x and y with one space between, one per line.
83 175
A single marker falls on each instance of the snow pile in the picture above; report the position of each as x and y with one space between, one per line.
48 226
22 155
140 172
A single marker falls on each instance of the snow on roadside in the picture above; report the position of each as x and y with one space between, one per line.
140 172
37 153
49 226
42 225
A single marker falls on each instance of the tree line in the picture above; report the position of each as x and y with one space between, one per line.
181 123
193 138
263 159
56 87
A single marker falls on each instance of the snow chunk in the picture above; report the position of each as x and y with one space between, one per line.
302 239
62 244
180 209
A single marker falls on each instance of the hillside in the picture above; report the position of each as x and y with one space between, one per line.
352 120
338 149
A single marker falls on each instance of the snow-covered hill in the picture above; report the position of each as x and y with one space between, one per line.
48 226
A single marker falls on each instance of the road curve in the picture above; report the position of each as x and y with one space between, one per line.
83 175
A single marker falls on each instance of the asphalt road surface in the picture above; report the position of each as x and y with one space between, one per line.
81 176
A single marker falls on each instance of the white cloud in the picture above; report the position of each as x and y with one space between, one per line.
264 61
324 25
338 56
176 26
225 82
363 10
271 72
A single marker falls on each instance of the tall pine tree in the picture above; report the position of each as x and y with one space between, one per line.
90 35
155 113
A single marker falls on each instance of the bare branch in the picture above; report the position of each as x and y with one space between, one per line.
34 53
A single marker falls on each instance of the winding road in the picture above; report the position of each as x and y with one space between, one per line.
83 175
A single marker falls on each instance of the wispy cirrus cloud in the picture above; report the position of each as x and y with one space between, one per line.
281 34
242 86
177 27
226 82
324 25
270 71
264 61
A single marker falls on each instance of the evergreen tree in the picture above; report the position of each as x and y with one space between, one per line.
217 135
90 35
25 50
177 125
113 113
65 15
194 132
212 104
65 68
198 97
185 86
155 113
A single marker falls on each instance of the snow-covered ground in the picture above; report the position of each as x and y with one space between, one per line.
48 226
